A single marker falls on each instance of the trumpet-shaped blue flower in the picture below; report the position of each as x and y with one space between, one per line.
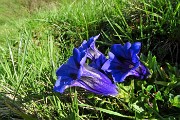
76 73
123 61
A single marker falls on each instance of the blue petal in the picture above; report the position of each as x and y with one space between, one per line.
95 81
97 86
119 76
79 57
83 46
136 47
121 69
72 62
121 51
98 63
66 70
117 49
124 65
141 72
107 64
126 49
90 48
127 46
62 83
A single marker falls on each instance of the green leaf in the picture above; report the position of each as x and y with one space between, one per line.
154 64
137 108
149 88
162 72
158 96
155 106
176 101
163 83
171 96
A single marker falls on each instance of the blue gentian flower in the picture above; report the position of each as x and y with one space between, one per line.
77 73
123 61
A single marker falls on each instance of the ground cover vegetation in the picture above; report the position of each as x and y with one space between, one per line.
39 36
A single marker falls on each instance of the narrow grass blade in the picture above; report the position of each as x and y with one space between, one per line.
106 111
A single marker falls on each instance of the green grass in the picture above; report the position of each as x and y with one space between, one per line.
34 45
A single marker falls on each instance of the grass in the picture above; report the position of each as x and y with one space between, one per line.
41 42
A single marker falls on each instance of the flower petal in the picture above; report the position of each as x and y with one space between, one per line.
66 70
98 63
136 47
90 48
97 82
119 76
97 86
79 57
141 72
62 83
106 65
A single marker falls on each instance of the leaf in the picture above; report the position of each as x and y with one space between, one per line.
154 64
155 106
137 108
176 101
171 96
162 72
158 96
163 83
149 88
